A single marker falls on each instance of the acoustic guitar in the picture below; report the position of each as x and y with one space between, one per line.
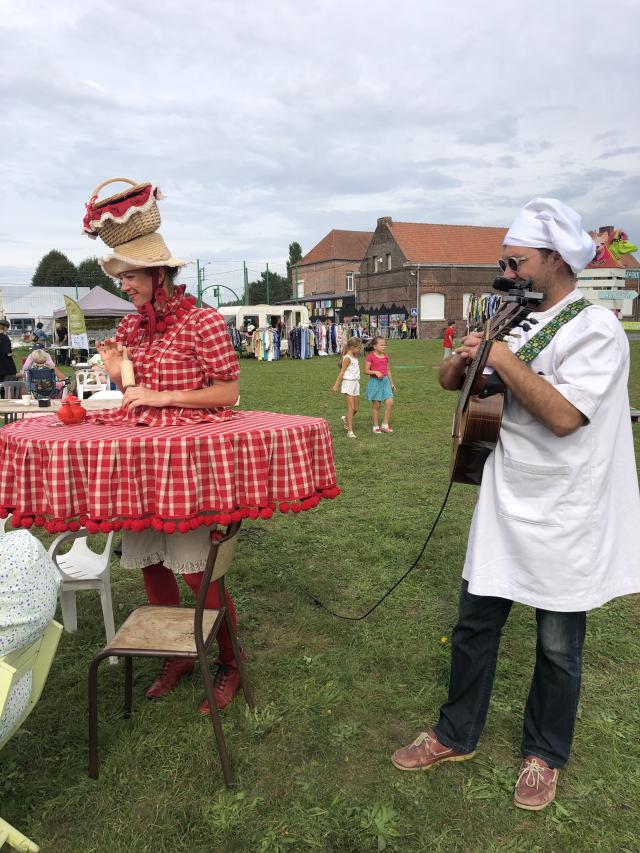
478 415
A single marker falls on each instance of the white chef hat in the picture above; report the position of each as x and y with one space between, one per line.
547 223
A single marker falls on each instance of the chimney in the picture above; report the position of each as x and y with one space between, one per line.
384 220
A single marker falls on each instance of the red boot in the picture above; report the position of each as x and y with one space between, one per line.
171 673
226 684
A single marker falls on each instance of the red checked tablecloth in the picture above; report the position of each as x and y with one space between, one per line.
169 477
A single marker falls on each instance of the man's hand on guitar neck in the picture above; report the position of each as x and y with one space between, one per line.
451 371
533 392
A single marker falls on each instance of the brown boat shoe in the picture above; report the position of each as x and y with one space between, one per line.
425 751
536 785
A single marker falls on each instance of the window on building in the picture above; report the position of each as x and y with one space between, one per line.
388 257
432 306
300 288
628 307
349 282
466 299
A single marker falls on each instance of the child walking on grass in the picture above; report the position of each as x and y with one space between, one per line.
380 388
349 376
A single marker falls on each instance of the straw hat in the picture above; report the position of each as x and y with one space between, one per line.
147 251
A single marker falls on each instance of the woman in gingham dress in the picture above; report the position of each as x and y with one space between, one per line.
186 371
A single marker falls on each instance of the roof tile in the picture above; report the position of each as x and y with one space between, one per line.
424 243
339 246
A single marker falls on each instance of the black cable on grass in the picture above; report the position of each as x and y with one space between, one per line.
321 604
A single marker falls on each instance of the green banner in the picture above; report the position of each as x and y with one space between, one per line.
77 327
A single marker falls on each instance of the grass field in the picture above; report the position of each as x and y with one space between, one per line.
334 698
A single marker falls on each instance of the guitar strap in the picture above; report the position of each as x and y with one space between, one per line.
544 337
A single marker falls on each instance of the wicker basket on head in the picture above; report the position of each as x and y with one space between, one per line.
124 216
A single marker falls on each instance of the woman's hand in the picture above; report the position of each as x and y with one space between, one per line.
137 395
335 388
111 353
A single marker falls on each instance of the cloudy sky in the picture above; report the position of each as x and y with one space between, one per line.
268 122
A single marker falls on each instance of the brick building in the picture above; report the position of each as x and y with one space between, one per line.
431 270
326 275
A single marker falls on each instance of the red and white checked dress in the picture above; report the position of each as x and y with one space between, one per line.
192 353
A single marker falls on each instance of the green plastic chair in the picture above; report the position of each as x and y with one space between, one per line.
15 667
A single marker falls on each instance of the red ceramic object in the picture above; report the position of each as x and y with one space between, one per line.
71 410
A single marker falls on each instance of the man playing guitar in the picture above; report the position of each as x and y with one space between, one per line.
557 508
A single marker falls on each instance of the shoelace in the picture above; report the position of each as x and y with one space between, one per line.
534 774
422 737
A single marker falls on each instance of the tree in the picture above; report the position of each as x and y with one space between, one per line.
279 289
91 274
54 270
295 255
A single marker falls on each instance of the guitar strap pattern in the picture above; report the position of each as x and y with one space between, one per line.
544 337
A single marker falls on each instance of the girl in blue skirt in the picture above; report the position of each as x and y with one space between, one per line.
380 388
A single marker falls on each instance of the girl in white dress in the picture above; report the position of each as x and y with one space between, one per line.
349 382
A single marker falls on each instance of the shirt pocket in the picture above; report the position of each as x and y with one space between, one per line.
534 494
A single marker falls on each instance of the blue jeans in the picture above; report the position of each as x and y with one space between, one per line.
550 714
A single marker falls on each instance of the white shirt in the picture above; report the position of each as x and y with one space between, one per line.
353 371
556 519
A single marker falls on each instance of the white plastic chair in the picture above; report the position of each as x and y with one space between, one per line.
90 381
80 569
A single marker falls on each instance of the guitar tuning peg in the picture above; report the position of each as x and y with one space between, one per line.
533 321
525 326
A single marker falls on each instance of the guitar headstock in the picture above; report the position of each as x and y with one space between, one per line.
515 306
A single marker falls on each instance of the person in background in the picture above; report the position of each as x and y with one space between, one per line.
448 339
62 339
380 387
349 382
39 335
8 369
413 329
41 358
555 523
403 330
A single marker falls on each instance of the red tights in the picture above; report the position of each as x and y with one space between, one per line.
162 588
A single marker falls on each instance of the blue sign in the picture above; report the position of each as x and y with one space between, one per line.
414 312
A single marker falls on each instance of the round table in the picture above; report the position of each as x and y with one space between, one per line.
171 478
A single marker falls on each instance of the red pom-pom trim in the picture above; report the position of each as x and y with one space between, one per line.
295 507
267 512
26 522
284 507
74 526
170 319
39 520
254 513
169 527
161 326
92 527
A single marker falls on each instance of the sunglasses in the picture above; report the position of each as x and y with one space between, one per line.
512 263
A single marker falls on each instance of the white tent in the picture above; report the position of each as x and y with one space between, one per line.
100 303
